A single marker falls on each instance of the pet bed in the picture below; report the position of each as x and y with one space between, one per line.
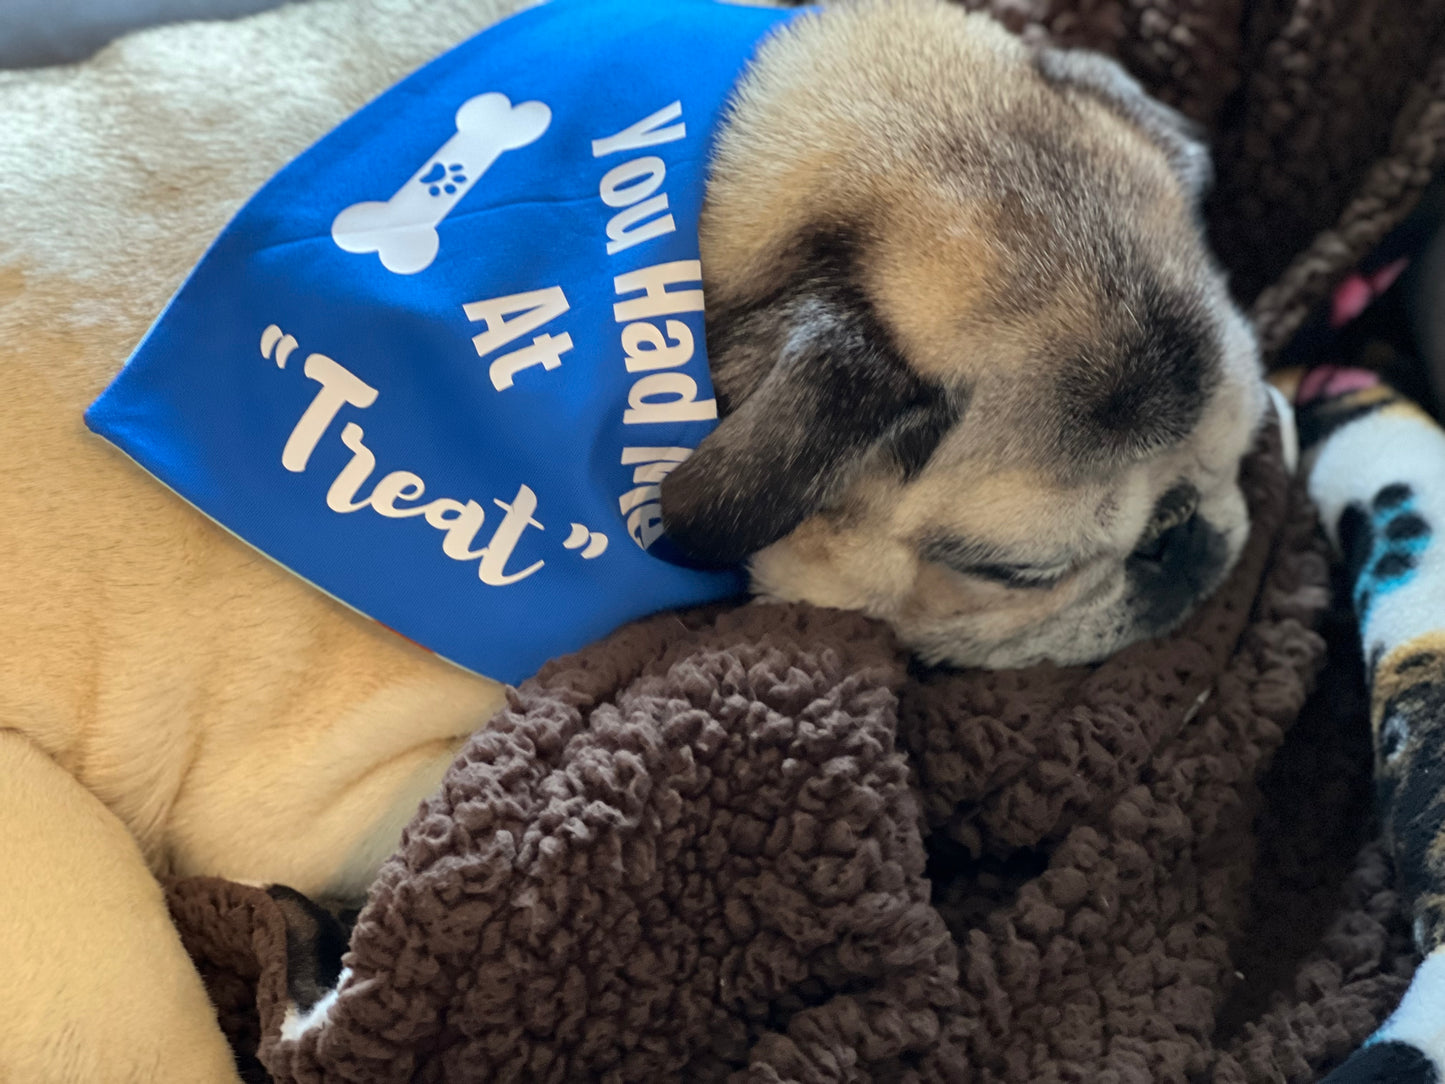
757 844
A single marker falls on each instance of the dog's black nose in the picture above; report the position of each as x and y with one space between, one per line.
1170 571
1181 546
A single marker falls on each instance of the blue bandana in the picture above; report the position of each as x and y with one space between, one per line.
440 363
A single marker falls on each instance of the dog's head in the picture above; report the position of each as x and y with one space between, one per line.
978 373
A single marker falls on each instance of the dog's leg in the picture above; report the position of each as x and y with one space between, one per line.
316 941
96 984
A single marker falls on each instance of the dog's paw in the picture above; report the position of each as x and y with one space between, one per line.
316 941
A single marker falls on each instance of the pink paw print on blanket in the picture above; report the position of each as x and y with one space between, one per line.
1353 296
1331 381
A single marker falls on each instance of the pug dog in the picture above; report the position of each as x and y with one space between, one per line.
978 373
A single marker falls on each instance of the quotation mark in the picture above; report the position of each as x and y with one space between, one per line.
274 339
595 541
276 343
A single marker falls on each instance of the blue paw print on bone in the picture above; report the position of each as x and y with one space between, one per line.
1382 548
442 178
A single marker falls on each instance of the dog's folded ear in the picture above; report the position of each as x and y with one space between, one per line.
827 392
1181 140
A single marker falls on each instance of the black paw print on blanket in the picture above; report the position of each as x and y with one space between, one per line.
1385 1063
1382 547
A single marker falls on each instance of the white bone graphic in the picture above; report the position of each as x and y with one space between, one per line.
403 230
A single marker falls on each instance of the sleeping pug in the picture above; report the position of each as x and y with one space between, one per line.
979 378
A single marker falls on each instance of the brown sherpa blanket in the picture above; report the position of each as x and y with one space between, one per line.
758 844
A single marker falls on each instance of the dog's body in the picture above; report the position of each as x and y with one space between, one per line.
169 698
172 701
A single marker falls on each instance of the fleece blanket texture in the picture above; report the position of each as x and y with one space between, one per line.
756 845
759 845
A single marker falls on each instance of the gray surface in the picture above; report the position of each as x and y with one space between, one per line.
38 32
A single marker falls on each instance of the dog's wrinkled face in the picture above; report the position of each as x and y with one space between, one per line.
979 375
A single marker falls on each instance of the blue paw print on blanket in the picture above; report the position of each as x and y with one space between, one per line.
442 178
1382 548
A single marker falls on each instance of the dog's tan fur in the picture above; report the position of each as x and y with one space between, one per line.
172 702
169 699
1010 218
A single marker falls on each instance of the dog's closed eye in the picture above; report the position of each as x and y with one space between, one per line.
1026 576
970 558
